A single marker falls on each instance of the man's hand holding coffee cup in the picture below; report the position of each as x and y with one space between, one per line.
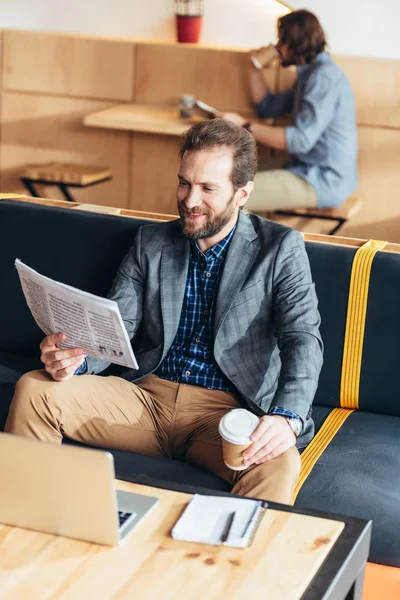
60 364
272 436
262 57
253 59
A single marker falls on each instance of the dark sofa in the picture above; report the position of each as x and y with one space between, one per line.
359 472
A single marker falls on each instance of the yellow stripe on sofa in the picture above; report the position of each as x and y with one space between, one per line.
352 359
355 322
325 435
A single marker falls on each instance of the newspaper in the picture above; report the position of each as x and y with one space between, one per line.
91 323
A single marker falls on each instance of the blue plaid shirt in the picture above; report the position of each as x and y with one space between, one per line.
191 357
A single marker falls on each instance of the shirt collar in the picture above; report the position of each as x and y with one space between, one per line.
218 250
322 57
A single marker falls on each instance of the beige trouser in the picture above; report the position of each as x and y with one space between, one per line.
278 188
156 418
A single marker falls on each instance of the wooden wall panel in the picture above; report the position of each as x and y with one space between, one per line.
376 85
37 129
219 77
379 185
54 70
155 165
378 189
68 65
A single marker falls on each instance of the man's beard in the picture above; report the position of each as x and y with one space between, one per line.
212 225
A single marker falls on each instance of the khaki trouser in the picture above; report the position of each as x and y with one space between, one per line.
278 188
156 418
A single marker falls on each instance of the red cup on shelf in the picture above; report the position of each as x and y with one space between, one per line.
188 28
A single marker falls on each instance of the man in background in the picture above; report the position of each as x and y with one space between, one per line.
322 137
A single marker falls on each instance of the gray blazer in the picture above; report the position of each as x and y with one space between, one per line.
266 337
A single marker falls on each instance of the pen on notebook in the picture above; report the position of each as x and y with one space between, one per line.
227 528
250 522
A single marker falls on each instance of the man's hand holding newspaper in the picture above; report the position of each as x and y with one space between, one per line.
77 324
60 364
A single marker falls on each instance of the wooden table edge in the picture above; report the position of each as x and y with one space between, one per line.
343 567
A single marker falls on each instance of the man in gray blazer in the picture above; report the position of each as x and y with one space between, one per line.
222 313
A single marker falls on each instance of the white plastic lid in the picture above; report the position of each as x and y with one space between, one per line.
238 425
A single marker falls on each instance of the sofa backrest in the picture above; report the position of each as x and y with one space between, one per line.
379 385
85 249
82 249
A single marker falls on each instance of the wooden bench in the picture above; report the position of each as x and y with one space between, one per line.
63 175
340 214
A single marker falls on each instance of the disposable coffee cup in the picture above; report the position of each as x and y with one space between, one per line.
264 56
186 104
235 429
256 62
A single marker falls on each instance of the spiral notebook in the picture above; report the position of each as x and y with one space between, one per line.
220 520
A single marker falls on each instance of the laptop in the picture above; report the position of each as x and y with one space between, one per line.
65 490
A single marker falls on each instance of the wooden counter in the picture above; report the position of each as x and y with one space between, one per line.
163 120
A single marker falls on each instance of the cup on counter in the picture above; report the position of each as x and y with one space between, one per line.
264 56
187 103
235 429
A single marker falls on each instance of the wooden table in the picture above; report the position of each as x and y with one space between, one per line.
162 120
146 118
281 564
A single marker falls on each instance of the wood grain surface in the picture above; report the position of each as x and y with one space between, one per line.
285 555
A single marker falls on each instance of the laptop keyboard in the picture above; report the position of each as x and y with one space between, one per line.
123 516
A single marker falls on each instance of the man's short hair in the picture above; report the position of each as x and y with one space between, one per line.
303 33
217 133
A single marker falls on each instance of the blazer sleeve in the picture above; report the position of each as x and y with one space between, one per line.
127 291
297 320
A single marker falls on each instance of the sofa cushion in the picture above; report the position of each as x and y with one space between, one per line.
380 381
331 269
359 475
12 366
139 468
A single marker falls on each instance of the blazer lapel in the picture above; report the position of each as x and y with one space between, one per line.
241 254
174 268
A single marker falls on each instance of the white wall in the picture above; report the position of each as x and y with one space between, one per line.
358 27
238 23
355 27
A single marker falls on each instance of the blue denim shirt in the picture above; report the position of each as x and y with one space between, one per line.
322 140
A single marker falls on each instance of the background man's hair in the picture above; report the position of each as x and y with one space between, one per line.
217 133
303 33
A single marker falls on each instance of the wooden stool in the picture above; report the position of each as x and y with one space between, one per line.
63 175
341 213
